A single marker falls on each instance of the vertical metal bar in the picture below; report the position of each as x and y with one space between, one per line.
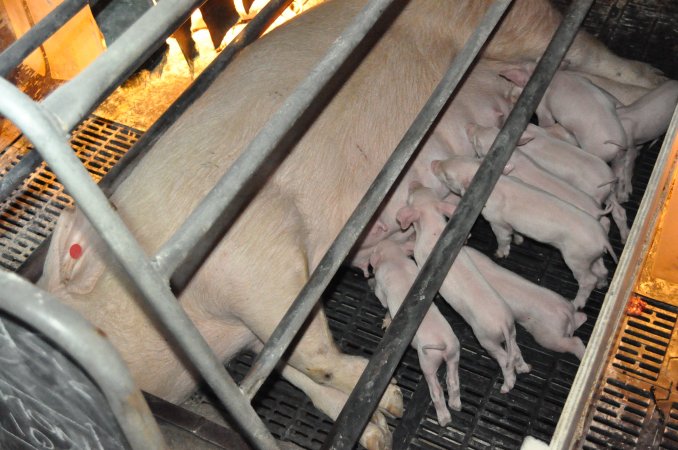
375 378
93 352
51 142
21 48
303 305
222 204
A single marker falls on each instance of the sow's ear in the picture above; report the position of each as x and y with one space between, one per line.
73 260
406 215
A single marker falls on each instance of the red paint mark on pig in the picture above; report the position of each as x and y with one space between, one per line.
75 251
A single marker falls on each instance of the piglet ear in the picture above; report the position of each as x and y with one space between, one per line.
508 168
406 215
447 209
525 138
375 261
517 75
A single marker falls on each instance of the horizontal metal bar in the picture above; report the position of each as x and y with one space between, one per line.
336 254
374 380
12 56
220 207
72 101
52 143
93 352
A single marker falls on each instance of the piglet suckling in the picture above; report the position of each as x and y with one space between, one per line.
587 111
434 341
580 171
464 288
527 170
645 120
515 205
547 316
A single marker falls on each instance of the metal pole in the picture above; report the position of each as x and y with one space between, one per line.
377 374
93 352
249 34
40 32
303 305
72 101
51 142
222 204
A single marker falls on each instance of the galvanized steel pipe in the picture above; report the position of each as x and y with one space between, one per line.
374 380
52 143
93 352
220 207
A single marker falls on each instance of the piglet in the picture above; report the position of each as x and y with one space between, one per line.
547 316
434 341
645 120
464 288
587 111
580 171
533 174
515 205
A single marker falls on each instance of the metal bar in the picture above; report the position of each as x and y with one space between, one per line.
51 142
251 32
72 101
303 305
374 380
12 56
32 267
93 352
579 401
222 204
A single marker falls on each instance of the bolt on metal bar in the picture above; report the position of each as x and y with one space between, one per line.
52 143
298 312
222 204
12 56
374 380
91 350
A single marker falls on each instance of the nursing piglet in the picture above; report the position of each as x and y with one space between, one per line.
580 171
645 120
515 205
547 316
524 168
464 288
581 107
434 341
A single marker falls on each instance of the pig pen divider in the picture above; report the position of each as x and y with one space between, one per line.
91 349
39 126
373 382
73 100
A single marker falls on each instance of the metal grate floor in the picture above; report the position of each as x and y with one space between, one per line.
488 419
29 214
